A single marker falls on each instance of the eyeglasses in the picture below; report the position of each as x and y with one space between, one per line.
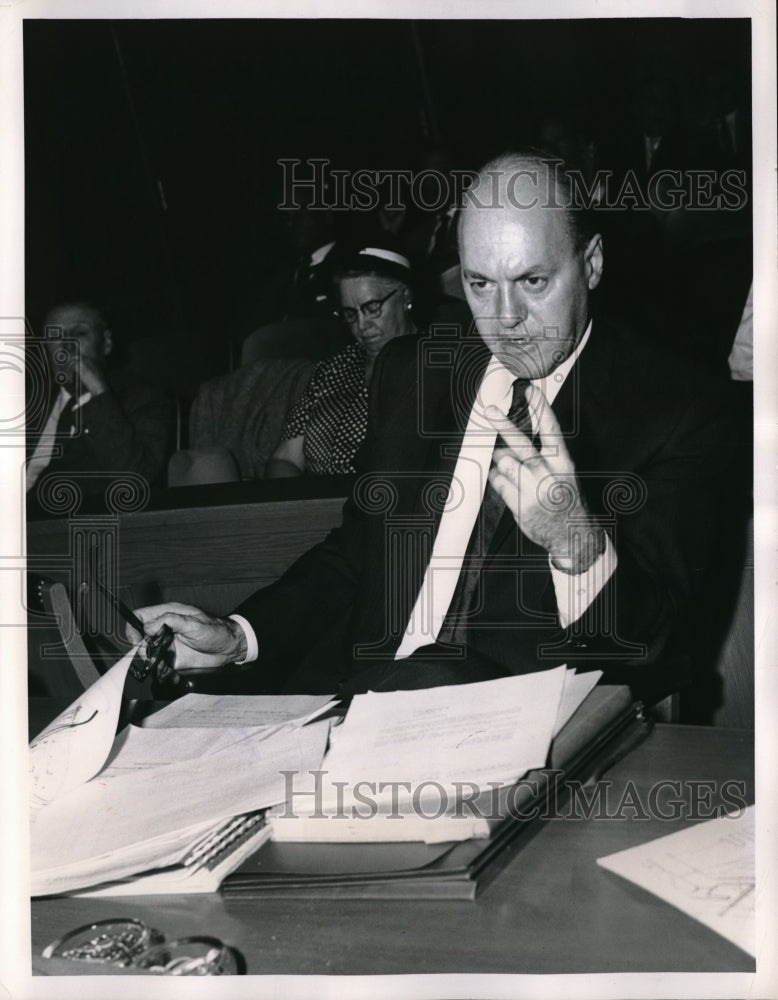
371 309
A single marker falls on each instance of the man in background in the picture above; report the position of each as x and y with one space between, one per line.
94 419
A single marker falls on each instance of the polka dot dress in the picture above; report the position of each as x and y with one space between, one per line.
332 414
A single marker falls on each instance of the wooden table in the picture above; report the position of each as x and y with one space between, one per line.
551 910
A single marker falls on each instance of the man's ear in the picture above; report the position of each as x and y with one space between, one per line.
594 261
107 343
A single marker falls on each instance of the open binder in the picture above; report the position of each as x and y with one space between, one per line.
605 727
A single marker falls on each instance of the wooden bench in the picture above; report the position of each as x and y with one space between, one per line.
212 555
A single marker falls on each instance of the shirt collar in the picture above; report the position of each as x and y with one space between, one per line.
497 384
65 396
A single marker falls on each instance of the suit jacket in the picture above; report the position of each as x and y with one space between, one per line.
650 444
129 428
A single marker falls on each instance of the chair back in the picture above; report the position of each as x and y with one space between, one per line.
303 338
54 598
244 413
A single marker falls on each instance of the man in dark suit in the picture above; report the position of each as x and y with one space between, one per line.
574 540
96 420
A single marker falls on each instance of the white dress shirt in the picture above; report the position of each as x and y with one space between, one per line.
44 449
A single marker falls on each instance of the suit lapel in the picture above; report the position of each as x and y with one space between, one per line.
585 390
444 411
446 415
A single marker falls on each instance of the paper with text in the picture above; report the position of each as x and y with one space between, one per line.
492 731
73 748
99 825
137 749
239 710
707 871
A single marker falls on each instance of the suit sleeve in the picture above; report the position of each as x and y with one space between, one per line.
131 433
317 593
666 519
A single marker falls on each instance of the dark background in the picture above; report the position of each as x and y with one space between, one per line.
152 146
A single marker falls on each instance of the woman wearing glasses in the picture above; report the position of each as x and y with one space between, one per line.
328 423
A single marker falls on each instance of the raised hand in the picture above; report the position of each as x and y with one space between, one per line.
89 375
539 487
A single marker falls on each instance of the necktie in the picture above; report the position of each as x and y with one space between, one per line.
489 517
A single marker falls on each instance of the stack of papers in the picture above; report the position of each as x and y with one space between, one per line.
207 861
413 765
177 804
105 809
605 726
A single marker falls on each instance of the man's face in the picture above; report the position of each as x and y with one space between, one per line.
526 284
75 335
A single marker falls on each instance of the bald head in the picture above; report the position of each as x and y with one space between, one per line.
526 180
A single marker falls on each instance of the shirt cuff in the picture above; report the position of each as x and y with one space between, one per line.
574 593
252 647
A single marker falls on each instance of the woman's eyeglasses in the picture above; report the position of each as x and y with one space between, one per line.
371 309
